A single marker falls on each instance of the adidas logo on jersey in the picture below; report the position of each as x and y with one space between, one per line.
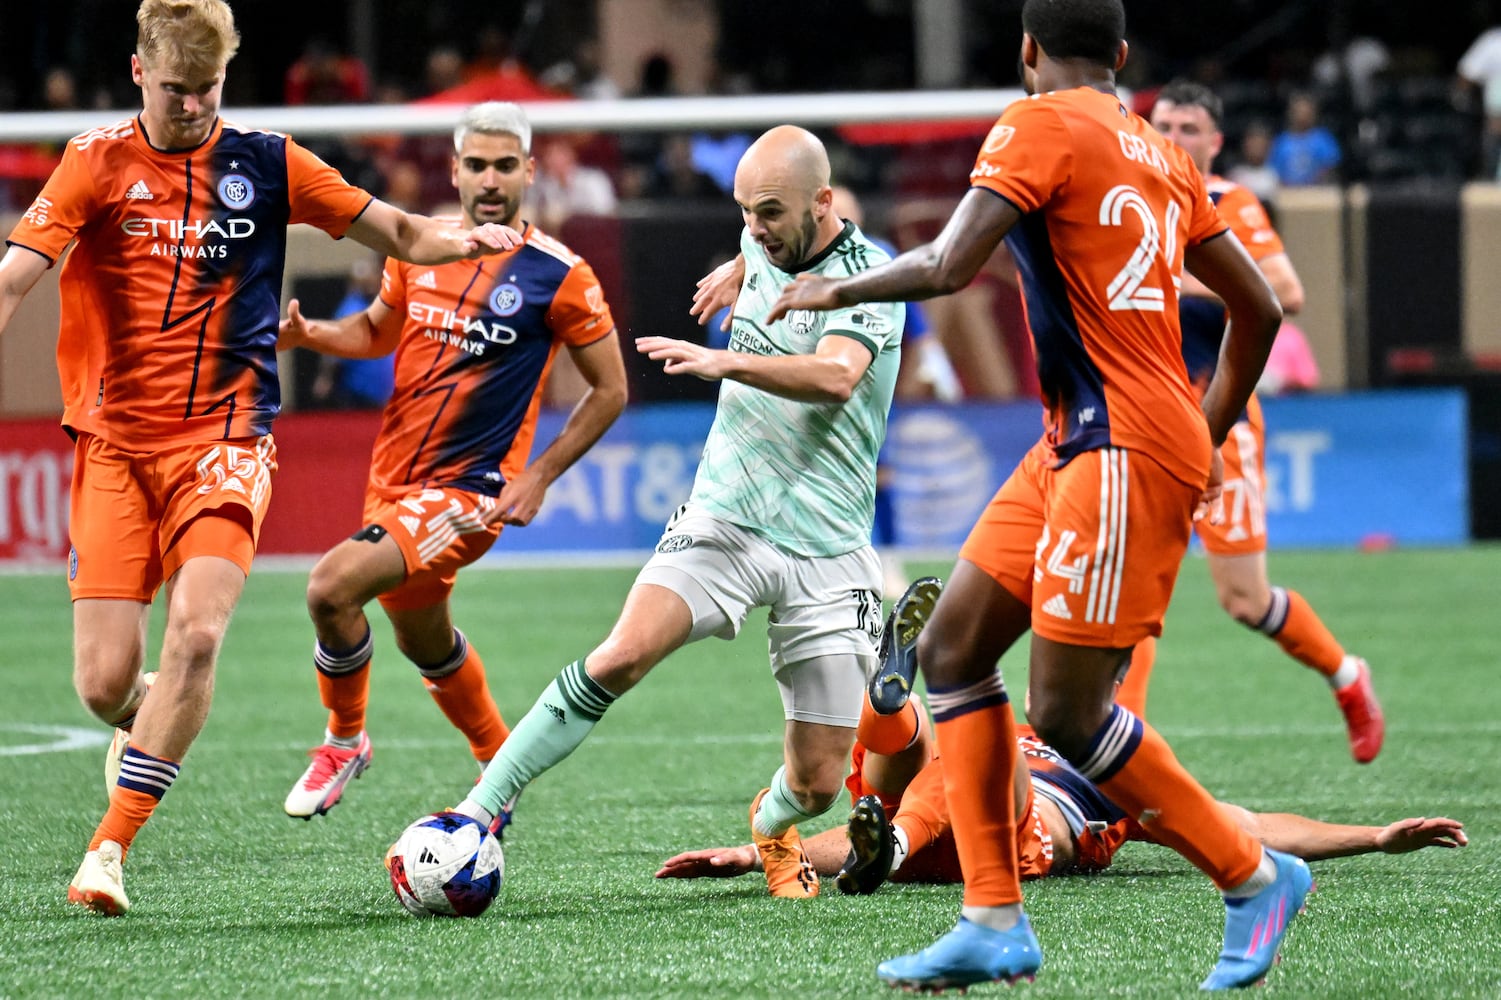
1057 606
410 523
139 192
427 280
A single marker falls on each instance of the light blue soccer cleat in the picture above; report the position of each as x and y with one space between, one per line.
1255 926
968 954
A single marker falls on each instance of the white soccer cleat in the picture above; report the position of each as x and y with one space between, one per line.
322 784
100 883
116 752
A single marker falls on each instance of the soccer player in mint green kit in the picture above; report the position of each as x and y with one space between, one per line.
780 514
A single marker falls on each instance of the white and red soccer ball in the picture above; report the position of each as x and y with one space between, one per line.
446 865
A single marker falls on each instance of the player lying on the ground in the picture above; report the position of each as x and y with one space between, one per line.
1064 824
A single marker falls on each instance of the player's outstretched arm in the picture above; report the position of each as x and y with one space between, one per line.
945 265
603 370
418 239
829 375
827 851
371 333
1223 264
1313 840
20 270
718 290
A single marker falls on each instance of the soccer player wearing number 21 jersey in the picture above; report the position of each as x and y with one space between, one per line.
167 356
474 341
1082 543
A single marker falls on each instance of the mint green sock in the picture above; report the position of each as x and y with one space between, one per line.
552 730
779 808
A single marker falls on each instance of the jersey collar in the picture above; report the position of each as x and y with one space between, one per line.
213 134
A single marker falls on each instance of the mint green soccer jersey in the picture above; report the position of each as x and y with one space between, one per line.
802 475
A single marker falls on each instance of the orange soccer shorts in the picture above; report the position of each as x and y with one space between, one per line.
439 531
1093 547
135 518
1242 532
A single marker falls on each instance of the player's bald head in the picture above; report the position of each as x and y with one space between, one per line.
782 187
791 158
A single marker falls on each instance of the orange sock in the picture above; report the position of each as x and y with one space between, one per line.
977 741
1154 788
464 697
143 781
924 812
1132 694
888 734
1307 639
345 696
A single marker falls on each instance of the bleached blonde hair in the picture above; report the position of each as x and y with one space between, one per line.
186 34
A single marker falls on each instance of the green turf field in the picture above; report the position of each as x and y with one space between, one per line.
232 898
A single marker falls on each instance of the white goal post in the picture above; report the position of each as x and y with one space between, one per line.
626 115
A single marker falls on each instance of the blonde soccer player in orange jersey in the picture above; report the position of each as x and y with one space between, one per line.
167 355
474 342
1189 114
1082 543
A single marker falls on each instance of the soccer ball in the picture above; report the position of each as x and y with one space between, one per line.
446 865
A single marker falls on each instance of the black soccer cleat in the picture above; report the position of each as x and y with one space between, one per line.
892 684
872 847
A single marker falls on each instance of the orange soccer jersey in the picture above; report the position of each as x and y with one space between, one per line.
1108 207
478 339
171 297
1203 320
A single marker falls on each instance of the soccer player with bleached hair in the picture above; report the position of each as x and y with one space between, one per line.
167 357
780 514
1081 545
474 342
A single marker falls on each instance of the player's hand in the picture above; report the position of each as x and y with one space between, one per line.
679 357
807 291
713 862
489 238
1212 500
520 499
1408 835
718 290
293 331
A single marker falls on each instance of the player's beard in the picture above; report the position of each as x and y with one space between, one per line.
798 253
502 212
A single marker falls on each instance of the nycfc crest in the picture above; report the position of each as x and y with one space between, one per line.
505 300
236 191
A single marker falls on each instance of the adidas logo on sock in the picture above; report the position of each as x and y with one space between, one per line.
139 192
1057 606
427 280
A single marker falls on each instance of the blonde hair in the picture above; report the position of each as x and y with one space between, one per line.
186 34
494 118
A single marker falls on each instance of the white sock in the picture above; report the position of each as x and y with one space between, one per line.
475 811
1347 674
903 847
1265 875
997 918
343 742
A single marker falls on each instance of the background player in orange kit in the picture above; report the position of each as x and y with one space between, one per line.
167 356
1082 543
1189 114
474 341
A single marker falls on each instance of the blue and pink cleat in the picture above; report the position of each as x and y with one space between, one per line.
966 955
1256 925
